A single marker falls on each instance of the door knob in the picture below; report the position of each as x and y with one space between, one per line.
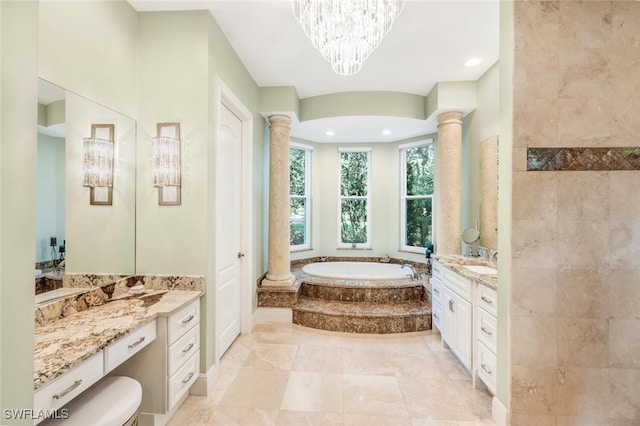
240 255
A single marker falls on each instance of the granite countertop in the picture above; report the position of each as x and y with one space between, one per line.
456 263
67 342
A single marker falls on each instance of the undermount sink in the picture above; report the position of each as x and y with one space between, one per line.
481 269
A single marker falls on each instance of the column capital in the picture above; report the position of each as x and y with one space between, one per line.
280 120
451 117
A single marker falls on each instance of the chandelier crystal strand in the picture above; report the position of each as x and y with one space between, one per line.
346 31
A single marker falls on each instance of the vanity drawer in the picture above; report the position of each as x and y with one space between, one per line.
183 320
183 348
487 329
436 269
488 299
182 380
66 387
436 314
436 289
487 367
129 345
458 283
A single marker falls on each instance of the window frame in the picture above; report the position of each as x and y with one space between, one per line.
367 198
403 197
308 164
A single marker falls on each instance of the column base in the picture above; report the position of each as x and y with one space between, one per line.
279 283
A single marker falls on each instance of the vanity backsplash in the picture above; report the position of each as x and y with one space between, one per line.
102 288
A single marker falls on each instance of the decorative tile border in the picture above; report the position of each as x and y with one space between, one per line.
583 159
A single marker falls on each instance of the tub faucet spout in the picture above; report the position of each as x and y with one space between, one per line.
415 275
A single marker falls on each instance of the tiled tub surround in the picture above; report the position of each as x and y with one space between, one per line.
65 343
354 306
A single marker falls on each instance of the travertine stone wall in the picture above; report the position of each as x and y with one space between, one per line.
575 290
448 203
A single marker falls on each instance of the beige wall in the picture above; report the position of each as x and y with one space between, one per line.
575 347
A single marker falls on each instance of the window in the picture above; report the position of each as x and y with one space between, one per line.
354 217
416 196
300 196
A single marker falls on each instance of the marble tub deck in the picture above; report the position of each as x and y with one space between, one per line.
354 306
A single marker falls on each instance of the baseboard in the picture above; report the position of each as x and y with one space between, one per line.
205 382
499 412
262 315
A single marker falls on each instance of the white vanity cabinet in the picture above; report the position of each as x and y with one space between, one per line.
486 328
169 366
59 392
457 316
436 294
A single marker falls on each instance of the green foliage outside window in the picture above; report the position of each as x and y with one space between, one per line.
298 196
354 178
419 190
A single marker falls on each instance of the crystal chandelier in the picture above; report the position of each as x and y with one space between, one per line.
346 31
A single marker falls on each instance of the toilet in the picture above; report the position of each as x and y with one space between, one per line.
113 401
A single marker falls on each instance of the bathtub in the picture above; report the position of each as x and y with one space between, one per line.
356 270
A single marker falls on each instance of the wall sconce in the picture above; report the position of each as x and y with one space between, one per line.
98 164
165 157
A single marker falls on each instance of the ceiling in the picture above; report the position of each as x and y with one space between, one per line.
428 43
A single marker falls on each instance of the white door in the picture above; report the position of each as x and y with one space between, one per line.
228 230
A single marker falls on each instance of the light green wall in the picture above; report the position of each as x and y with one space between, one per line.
50 194
180 56
18 143
363 103
100 239
89 48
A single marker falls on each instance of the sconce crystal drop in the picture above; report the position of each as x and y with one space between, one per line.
165 154
98 163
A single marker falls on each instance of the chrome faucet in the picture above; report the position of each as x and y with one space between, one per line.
385 258
415 275
60 267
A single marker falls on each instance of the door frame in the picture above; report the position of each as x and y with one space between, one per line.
222 95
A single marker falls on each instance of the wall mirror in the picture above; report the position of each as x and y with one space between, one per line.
489 193
72 235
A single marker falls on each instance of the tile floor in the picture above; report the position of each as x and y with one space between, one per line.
285 374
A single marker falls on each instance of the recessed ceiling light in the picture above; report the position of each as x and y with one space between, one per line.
330 133
472 62
386 132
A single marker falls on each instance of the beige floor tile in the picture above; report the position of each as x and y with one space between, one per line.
435 399
256 389
424 366
298 418
240 416
369 420
270 356
374 361
285 374
318 358
192 415
308 391
373 395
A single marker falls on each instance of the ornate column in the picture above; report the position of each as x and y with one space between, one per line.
448 203
279 263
